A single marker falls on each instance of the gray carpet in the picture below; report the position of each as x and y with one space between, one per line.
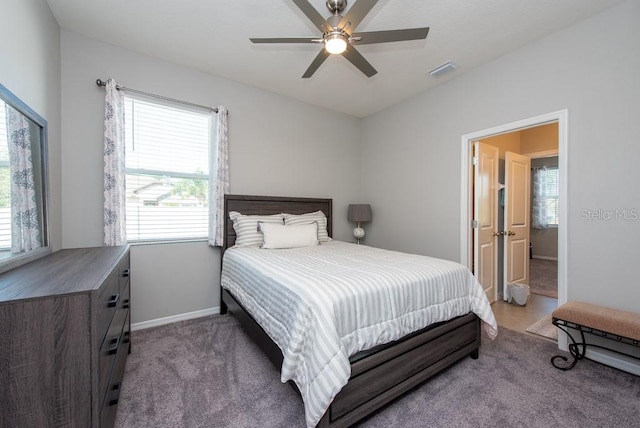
207 373
543 277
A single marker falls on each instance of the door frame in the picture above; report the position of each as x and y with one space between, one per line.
466 205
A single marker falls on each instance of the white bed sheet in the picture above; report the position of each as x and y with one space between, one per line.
322 304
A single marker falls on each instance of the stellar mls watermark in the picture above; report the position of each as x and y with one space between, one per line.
625 214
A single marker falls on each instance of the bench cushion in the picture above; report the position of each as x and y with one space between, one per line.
614 321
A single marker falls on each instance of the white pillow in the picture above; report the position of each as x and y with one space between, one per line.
280 236
308 218
246 227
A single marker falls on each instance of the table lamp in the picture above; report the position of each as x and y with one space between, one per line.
360 213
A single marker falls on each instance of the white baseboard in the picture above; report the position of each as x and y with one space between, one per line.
618 361
545 258
174 318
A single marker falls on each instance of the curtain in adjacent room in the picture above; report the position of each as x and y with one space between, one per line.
114 166
25 228
539 199
218 175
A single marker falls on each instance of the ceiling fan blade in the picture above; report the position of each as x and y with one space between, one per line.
370 37
313 15
358 60
317 62
356 14
286 40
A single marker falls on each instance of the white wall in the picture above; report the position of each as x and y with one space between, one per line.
30 68
278 147
411 152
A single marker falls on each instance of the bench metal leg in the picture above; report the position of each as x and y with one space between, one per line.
576 349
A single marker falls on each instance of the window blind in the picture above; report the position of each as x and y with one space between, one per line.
552 191
167 170
5 183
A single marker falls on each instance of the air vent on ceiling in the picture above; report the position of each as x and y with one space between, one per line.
444 68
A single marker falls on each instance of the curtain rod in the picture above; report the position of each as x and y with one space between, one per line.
102 83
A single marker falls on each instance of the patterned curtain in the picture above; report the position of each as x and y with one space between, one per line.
25 228
114 175
539 199
218 176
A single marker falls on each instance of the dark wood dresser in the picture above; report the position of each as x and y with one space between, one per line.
64 338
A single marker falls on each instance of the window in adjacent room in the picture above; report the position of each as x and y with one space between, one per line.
167 170
552 196
545 197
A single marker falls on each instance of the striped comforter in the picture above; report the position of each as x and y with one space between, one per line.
322 304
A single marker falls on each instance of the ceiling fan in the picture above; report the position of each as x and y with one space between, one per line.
338 36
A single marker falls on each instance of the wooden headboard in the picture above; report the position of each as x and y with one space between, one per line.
265 205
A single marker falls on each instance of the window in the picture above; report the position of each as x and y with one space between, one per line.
167 170
551 196
5 184
545 198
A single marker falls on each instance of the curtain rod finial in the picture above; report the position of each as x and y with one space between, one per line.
99 82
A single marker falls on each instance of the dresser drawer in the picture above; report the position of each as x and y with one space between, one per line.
123 271
117 338
112 396
108 302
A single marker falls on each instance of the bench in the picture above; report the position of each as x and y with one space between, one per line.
619 326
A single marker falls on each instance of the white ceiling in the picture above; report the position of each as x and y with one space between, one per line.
213 36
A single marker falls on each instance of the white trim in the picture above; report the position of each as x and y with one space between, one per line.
545 258
617 361
175 318
560 116
543 154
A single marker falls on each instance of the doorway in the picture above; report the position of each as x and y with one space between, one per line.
524 165
468 256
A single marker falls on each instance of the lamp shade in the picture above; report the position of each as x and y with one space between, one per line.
359 212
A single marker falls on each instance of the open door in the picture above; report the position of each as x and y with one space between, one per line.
485 207
516 219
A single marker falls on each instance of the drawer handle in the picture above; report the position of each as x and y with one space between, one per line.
125 273
113 349
113 301
126 337
125 304
114 401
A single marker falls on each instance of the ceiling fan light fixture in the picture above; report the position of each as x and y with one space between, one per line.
335 43
338 36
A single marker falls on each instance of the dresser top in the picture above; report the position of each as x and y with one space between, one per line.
63 272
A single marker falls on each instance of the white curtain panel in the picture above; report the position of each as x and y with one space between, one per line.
218 175
25 228
114 172
539 203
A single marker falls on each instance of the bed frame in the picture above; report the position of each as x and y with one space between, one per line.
378 375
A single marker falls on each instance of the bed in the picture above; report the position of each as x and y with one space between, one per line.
374 376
